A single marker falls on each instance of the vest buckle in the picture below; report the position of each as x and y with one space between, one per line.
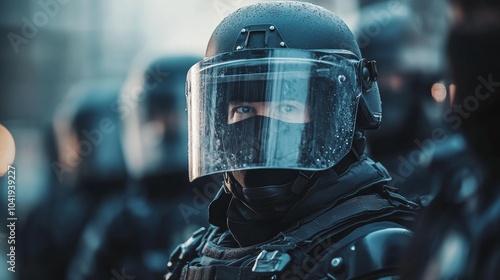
271 262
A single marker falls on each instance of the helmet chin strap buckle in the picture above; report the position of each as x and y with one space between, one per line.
302 180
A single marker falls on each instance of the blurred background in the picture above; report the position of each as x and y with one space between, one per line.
50 48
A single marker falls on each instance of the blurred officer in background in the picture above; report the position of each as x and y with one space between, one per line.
279 106
408 64
132 235
458 236
90 169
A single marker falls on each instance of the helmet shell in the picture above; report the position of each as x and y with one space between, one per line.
301 26
296 25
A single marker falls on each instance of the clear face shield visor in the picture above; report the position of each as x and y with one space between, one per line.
275 109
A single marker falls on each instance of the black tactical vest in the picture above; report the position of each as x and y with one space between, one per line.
363 236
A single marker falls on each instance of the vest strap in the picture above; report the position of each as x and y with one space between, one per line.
337 215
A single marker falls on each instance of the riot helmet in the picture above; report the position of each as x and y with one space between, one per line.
409 64
152 106
283 86
88 138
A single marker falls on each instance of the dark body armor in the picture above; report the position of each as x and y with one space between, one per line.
349 226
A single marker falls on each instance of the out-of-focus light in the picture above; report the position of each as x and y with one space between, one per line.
453 90
452 255
438 92
7 150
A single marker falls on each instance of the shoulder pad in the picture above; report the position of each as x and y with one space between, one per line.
376 254
184 253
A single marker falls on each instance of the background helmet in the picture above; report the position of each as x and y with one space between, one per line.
88 138
408 64
152 106
279 52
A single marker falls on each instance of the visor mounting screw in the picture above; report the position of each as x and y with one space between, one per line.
271 27
337 265
282 44
336 262
243 30
238 48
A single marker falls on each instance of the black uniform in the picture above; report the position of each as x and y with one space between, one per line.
131 235
349 224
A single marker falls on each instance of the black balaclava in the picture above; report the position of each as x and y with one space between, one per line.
268 192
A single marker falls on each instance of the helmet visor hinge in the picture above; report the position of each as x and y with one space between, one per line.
368 73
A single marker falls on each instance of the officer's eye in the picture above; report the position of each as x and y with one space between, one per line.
287 109
239 111
244 109
291 111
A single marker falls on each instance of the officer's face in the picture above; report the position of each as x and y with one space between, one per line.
290 111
